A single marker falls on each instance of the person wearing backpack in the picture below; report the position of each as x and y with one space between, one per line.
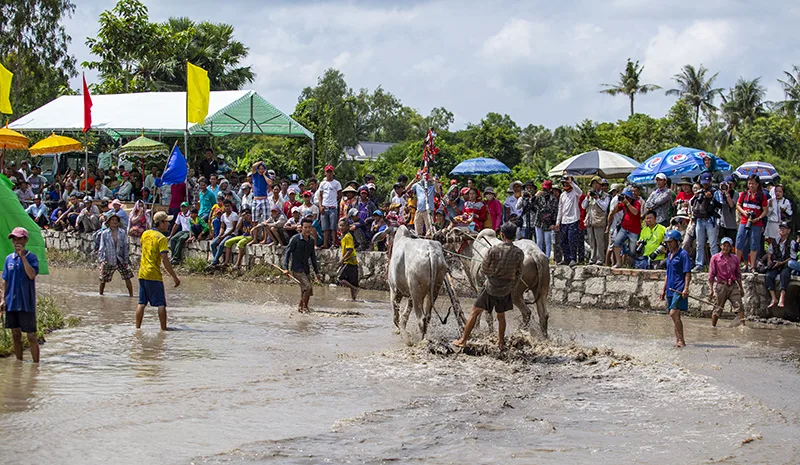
704 213
753 207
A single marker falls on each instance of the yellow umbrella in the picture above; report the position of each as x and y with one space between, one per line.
11 139
55 144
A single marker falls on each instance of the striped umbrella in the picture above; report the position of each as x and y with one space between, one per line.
600 162
764 170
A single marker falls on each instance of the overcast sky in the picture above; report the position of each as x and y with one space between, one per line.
542 62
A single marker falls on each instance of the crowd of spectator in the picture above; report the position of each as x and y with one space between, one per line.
599 224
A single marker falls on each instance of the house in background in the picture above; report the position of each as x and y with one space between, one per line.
366 151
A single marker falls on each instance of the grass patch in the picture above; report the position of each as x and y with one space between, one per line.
261 271
48 319
68 258
194 265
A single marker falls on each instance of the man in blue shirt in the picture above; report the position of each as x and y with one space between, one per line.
207 199
425 192
19 293
38 211
676 285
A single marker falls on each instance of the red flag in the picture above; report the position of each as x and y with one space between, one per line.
87 107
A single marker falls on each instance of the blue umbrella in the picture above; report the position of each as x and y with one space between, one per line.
477 166
676 163
764 170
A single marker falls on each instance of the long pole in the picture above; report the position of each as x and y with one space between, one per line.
186 135
86 159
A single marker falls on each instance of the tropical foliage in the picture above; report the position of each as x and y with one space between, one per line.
629 83
696 90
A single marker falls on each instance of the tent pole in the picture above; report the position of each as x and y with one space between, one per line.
313 154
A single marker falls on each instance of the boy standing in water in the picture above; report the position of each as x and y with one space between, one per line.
299 251
348 265
676 285
155 251
19 293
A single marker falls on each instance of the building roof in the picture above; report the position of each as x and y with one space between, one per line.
367 151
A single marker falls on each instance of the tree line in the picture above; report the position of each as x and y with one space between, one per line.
133 54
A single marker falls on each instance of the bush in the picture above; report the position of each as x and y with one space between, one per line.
48 319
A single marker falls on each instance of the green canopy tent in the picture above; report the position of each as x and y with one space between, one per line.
14 216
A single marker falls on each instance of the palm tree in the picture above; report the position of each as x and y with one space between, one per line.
629 83
696 90
791 90
533 140
743 105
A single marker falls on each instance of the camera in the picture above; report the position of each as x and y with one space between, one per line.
750 217
592 194
661 250
621 197
723 186
526 194
640 247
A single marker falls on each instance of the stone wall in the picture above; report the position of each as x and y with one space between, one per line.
589 286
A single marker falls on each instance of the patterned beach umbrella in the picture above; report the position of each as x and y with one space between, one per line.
676 163
596 162
764 170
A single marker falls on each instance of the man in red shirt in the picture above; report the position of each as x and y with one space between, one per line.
753 206
631 225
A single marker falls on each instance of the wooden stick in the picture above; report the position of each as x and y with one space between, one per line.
695 298
286 272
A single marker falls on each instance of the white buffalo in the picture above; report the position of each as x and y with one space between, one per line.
535 271
417 270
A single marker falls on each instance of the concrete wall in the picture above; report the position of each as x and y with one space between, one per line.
588 286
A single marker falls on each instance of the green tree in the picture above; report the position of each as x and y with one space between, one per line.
629 83
34 46
791 92
497 136
743 104
532 142
697 90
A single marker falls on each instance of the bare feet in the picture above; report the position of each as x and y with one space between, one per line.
459 343
680 344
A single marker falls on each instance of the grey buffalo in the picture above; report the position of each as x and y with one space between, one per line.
535 271
417 269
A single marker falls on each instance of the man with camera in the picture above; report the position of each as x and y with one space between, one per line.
649 250
596 205
753 206
704 213
631 224
568 219
726 197
778 257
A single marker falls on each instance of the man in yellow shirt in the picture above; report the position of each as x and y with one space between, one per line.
652 236
348 265
155 251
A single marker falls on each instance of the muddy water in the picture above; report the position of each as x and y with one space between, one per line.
243 379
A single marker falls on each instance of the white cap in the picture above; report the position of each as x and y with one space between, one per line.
661 176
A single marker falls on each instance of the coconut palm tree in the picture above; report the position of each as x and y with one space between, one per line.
791 90
533 140
629 83
743 104
696 90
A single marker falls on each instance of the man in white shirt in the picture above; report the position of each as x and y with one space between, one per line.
567 221
181 231
104 158
329 194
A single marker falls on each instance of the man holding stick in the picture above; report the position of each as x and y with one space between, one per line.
676 285
723 273
300 250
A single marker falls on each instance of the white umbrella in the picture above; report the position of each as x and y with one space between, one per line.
599 162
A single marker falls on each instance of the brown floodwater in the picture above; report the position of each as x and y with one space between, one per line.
242 378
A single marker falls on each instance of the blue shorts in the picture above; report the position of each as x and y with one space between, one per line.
676 302
748 240
329 217
152 292
623 236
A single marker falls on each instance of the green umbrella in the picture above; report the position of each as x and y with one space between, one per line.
14 216
143 147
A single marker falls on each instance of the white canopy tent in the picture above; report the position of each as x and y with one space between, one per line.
164 114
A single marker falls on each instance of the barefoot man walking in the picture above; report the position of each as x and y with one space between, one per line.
155 252
676 285
502 266
19 293
299 251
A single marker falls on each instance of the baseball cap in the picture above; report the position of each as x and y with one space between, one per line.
352 212
247 185
275 207
183 204
726 240
705 177
616 186
295 209
293 177
730 179
547 184
19 232
516 183
291 190
672 235
489 190
125 174
87 199
370 185
377 212
628 192
453 182
307 194
161 216
599 179
785 224
661 176
270 172
328 168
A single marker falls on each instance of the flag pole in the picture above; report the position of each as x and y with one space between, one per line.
186 135
86 158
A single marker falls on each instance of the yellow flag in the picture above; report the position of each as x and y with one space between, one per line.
5 90
198 90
